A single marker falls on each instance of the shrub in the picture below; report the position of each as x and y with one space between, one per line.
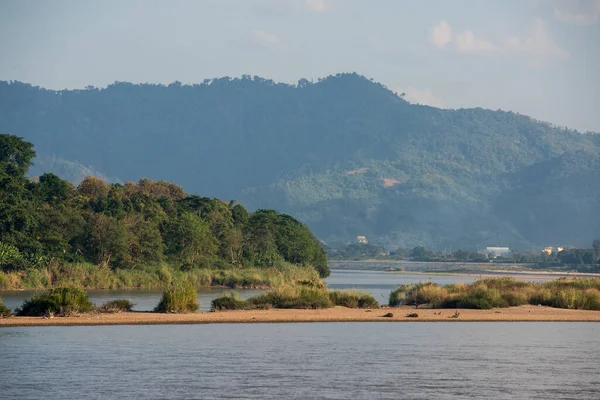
115 306
516 297
180 298
61 301
481 297
229 301
5 312
292 297
426 293
352 299
398 295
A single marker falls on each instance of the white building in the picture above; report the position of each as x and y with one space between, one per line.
497 251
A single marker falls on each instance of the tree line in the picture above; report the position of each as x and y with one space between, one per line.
134 224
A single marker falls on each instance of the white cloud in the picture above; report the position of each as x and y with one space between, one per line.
582 12
318 6
467 43
422 96
441 34
538 45
265 38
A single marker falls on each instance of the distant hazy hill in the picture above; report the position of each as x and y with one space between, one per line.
345 155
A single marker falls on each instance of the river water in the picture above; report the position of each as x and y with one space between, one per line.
378 283
410 360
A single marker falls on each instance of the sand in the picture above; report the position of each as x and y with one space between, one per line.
336 314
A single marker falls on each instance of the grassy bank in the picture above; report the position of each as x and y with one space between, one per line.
90 276
581 294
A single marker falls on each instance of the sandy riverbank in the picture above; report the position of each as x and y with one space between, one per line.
336 314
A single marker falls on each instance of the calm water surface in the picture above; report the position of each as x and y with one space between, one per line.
303 361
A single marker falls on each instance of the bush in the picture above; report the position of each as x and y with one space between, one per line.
180 298
5 312
398 295
416 295
481 297
426 293
61 301
352 299
115 306
229 301
292 297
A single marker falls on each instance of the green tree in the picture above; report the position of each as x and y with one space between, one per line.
108 241
596 246
17 218
190 239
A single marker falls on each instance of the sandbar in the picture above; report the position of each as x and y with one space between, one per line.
335 314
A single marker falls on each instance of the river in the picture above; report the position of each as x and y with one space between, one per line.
408 360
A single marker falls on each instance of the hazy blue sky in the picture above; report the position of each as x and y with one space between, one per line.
540 58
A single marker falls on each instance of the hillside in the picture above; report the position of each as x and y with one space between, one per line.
344 155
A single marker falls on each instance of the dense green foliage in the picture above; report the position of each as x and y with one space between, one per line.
60 301
131 225
583 294
344 155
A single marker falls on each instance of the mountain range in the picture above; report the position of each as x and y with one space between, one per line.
343 154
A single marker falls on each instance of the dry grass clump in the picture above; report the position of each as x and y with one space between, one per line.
420 294
583 294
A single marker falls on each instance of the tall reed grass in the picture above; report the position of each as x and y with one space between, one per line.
180 298
297 297
90 276
580 293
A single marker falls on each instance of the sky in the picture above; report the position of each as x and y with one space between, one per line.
535 57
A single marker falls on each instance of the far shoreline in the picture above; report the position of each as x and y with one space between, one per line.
526 313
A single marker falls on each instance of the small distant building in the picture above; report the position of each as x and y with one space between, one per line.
362 240
497 251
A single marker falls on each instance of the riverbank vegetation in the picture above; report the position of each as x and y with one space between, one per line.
581 294
5 312
180 298
90 276
61 301
135 234
296 297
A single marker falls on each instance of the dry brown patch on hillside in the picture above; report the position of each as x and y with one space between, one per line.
390 182
357 171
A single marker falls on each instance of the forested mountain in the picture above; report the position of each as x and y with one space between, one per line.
344 155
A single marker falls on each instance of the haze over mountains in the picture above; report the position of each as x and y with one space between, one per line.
344 155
